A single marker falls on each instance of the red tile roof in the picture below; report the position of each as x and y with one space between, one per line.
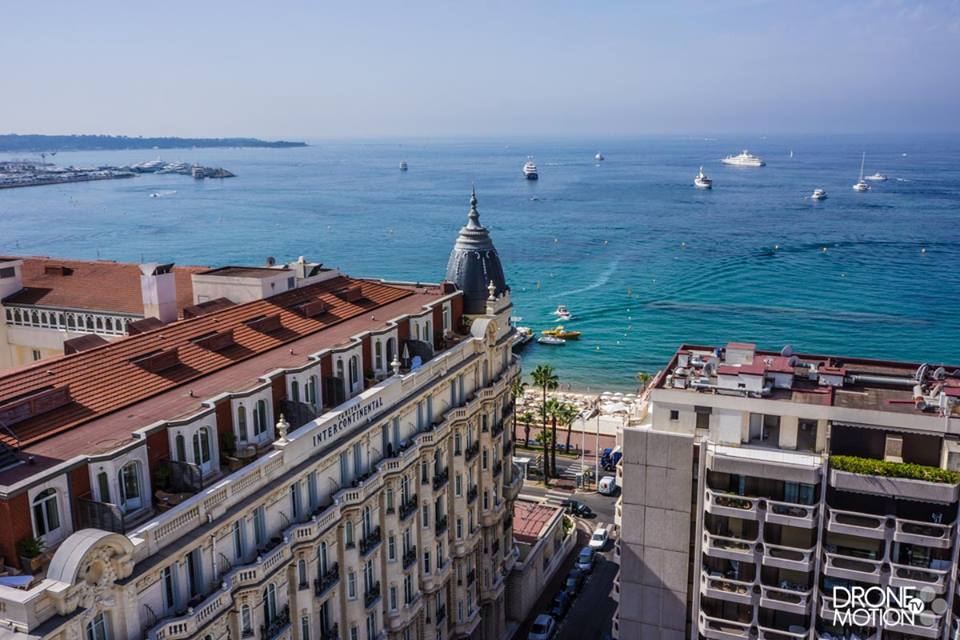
530 518
95 285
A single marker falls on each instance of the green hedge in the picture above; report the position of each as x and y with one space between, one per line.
870 466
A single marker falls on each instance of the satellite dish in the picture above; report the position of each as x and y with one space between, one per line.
787 351
921 372
794 361
940 373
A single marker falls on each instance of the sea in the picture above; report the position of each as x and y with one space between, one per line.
644 261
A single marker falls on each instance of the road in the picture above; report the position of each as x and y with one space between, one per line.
603 506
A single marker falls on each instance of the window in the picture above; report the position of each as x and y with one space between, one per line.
246 620
458 485
260 418
103 486
295 500
295 391
351 584
358 458
238 540
457 444
378 355
393 597
36 355
388 497
302 572
46 513
322 558
408 589
168 580
371 626
242 423
313 491
354 633
391 547
291 282
201 446
312 391
483 463
129 477
348 534
354 370
459 528
426 562
344 469
425 515
180 447
674 414
260 526
97 628
305 628
269 604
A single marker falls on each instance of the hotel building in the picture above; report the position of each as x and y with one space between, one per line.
754 483
327 462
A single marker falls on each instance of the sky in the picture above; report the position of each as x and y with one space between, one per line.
358 69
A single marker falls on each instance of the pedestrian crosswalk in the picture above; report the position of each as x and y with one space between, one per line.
552 496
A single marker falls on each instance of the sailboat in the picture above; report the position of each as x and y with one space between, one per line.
862 184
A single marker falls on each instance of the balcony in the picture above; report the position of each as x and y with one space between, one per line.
497 429
174 476
372 596
856 524
440 479
767 633
922 533
441 527
408 507
472 493
860 569
507 446
902 575
296 414
730 505
497 468
775 555
928 625
409 557
789 600
93 514
471 452
883 485
794 515
727 548
727 589
721 629
512 490
323 584
371 541
276 626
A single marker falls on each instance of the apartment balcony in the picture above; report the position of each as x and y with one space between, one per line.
721 588
927 534
789 600
775 555
856 524
410 557
722 629
472 494
372 596
767 633
371 541
497 429
93 514
323 584
919 577
471 452
189 625
441 526
512 490
730 505
277 626
466 627
727 548
507 446
909 488
441 479
928 625
845 567
492 516
791 514
408 507
175 476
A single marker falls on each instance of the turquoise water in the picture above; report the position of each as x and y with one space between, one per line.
642 259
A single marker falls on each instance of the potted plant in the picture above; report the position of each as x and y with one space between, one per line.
30 550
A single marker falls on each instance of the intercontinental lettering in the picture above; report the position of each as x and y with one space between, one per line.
346 419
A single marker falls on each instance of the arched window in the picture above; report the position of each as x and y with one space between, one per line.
103 486
130 493
90 323
354 369
416 327
348 533
246 620
295 391
201 446
260 419
378 355
46 513
242 423
97 628
312 391
36 318
180 446
340 368
269 604
427 335
99 323
71 321
391 350
43 318
108 324
302 571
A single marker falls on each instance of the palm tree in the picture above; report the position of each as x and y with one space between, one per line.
555 410
517 387
567 417
546 378
526 418
643 379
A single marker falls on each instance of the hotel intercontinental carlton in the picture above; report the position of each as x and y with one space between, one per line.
324 457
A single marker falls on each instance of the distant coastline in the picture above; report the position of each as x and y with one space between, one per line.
15 143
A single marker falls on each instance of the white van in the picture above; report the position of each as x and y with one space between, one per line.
607 486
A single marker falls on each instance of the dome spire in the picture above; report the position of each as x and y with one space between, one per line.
474 263
473 218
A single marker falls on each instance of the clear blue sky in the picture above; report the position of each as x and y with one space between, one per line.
370 68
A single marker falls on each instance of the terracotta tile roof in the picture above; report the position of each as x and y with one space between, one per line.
95 285
530 518
105 379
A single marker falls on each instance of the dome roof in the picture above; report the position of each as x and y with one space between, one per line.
474 263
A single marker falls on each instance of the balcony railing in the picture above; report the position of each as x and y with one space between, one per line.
919 577
723 504
788 513
371 541
721 629
323 584
176 476
372 595
408 507
409 557
497 429
93 514
472 493
924 533
862 569
727 548
440 479
788 557
277 625
789 600
507 446
471 452
857 524
296 414
738 591
441 526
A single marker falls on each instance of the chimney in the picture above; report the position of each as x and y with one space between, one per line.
159 291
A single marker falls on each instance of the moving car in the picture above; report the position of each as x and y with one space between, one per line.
574 581
543 628
586 559
599 538
576 508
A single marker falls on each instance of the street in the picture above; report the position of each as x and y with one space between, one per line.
602 505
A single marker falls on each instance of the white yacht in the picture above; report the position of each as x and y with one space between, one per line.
403 165
598 157
744 159
877 177
819 194
861 185
530 170
702 181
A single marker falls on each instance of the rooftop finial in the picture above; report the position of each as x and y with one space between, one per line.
474 215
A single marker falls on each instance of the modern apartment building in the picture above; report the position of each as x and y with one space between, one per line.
756 483
327 462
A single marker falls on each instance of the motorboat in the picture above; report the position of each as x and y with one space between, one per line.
551 340
702 181
403 165
522 336
530 170
818 194
877 177
744 159
561 310
861 185
560 332
598 157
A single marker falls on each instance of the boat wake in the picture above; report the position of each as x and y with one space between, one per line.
601 280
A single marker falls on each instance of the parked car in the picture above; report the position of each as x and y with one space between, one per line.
609 458
576 508
561 604
599 538
586 559
574 581
607 486
543 628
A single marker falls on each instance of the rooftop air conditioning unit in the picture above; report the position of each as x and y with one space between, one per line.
893 449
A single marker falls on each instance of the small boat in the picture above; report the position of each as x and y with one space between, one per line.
561 310
861 185
560 332
877 177
702 181
403 165
522 337
818 194
530 170
556 342
598 157
744 159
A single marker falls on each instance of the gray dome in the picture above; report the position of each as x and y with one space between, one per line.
474 263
